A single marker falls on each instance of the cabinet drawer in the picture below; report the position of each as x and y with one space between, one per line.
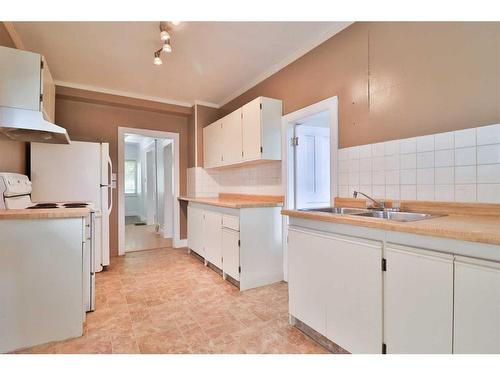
231 222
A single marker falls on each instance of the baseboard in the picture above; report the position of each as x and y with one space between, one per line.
180 243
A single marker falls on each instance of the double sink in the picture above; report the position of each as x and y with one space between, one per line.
379 214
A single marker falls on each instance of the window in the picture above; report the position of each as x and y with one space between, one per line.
131 177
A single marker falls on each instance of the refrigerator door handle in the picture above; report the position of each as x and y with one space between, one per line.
110 184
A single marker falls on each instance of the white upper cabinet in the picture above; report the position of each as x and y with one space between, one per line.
20 77
249 134
231 138
477 306
212 145
418 301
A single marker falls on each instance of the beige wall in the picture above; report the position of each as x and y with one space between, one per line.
396 80
90 120
12 153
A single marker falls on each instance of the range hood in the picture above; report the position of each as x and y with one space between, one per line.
30 126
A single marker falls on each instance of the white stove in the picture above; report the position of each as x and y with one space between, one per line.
15 193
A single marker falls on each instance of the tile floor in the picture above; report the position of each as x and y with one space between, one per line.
144 237
166 301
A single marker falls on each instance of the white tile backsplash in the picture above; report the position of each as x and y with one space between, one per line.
462 166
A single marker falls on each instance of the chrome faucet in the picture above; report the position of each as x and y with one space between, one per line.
380 204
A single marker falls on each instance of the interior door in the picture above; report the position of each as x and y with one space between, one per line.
251 130
312 166
418 301
232 138
150 187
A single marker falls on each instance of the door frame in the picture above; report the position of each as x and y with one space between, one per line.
288 163
177 242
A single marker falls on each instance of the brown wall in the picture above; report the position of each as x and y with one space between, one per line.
396 80
88 120
12 153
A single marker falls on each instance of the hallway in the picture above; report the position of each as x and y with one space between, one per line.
167 301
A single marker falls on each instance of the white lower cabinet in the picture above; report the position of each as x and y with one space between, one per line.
245 243
212 237
477 306
418 301
231 253
335 287
195 230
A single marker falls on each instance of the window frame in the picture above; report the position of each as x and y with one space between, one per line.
136 192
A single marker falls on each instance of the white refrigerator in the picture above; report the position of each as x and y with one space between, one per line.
78 172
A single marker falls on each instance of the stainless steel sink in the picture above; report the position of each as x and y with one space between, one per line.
337 210
379 214
398 216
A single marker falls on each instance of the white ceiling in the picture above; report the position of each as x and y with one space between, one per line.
211 62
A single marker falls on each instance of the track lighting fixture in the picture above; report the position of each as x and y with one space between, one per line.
165 38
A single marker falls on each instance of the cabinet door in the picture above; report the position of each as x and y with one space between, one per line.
48 92
231 253
20 79
477 306
251 130
231 138
354 294
307 278
212 145
195 230
418 301
212 237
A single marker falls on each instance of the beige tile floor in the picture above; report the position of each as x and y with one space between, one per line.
144 237
166 301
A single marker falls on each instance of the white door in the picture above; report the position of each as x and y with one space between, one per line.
168 160
354 294
477 306
312 166
231 138
195 230
212 149
418 301
307 278
150 187
251 130
212 237
231 253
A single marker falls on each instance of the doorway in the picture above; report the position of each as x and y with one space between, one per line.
148 169
146 217
309 163
311 143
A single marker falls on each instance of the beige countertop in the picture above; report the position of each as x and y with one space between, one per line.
473 228
47 213
239 200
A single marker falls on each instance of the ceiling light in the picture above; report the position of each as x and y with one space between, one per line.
157 60
164 35
167 47
175 23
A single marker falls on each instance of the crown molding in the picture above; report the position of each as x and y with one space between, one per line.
321 38
206 104
123 93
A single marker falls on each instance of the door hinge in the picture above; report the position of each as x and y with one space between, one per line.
384 348
239 269
242 115
239 243
260 105
384 264
241 153
41 64
41 97
261 149
294 141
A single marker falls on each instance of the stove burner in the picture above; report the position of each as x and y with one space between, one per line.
43 205
75 205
